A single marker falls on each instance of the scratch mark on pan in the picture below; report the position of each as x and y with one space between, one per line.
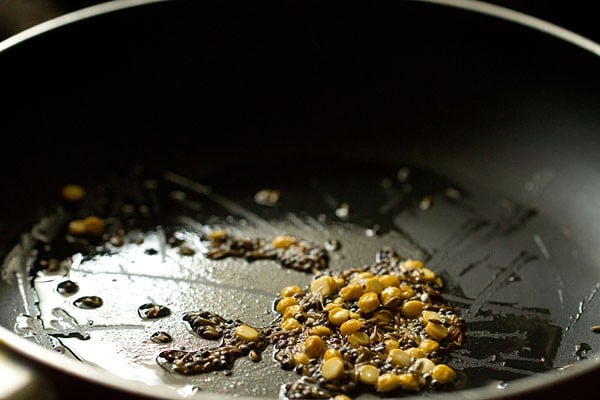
496 335
470 362
299 223
474 264
498 280
227 204
540 243
506 308
317 225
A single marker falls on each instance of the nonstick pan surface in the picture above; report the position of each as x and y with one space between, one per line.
470 142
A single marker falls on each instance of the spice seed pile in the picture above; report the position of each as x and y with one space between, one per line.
289 251
383 328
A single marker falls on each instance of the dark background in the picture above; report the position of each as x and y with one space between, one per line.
576 15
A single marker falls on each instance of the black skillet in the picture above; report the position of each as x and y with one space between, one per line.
471 138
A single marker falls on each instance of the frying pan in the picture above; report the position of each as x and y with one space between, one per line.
466 134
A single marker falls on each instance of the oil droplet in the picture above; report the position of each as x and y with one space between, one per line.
375 230
267 197
343 211
151 311
425 203
403 174
88 302
67 287
332 245
161 337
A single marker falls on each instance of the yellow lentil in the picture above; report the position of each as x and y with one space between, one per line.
423 365
94 226
389 280
330 353
388 382
428 315
73 193
301 358
290 291
443 373
284 303
368 374
436 331
429 345
323 285
391 296
342 397
412 264
359 339
373 285
350 326
218 235
368 302
408 382
339 282
77 227
314 346
290 323
415 352
352 291
292 310
332 368
427 275
247 333
283 242
407 291
399 358
338 316
412 308
320 330
391 344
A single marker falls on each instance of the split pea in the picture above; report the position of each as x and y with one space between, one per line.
443 373
290 323
338 316
350 326
73 193
331 353
412 308
408 382
359 339
283 242
320 330
388 382
399 358
332 368
368 302
368 374
323 285
247 333
436 331
314 346
352 291
290 291
284 303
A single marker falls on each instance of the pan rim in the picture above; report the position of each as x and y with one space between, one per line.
479 7
102 377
